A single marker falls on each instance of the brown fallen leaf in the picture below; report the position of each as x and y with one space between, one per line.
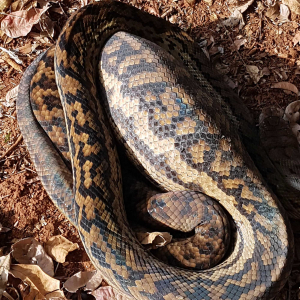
20 23
44 3
108 293
4 270
238 43
215 50
294 5
273 12
154 239
94 282
296 38
28 48
46 25
30 251
296 130
242 8
237 17
191 2
286 86
292 112
42 286
265 71
254 73
12 94
58 248
23 5
284 13
4 5
17 5
78 280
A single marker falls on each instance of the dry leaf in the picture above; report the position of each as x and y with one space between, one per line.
237 44
46 25
296 130
292 112
94 282
30 251
191 2
23 5
12 94
215 50
4 5
296 38
235 19
108 293
292 115
78 280
254 73
265 71
17 5
20 23
284 13
237 16
44 3
294 5
155 239
286 86
42 286
58 248
28 48
284 75
273 12
4 268
245 6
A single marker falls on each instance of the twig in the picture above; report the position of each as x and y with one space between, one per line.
12 147
32 171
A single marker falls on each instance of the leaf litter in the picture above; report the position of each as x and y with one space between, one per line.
36 271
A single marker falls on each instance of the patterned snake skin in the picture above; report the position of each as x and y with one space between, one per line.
208 156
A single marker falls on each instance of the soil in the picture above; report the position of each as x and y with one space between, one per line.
25 207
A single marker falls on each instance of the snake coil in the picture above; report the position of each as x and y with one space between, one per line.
215 163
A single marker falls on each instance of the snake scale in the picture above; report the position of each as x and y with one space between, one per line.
215 163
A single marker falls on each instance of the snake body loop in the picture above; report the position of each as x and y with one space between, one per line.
261 259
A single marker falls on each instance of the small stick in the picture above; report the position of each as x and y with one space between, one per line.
12 147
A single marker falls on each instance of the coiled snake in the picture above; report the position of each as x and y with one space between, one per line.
215 163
